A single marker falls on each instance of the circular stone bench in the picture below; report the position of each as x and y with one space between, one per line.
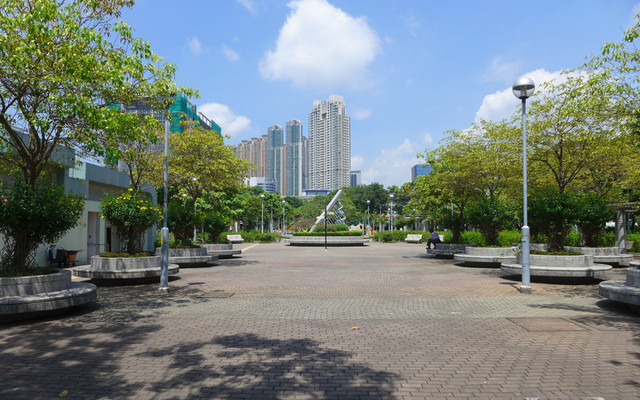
34 296
448 250
579 266
627 291
487 256
189 257
108 268
605 255
331 241
221 250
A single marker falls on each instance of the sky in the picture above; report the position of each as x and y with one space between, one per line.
408 70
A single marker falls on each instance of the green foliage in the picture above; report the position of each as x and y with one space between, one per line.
131 213
573 240
182 219
473 237
31 215
490 216
551 214
509 238
555 253
591 214
216 224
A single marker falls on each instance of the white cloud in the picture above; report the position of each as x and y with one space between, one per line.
229 53
393 166
632 19
230 123
195 46
501 71
361 113
427 139
413 24
357 161
321 46
248 4
502 104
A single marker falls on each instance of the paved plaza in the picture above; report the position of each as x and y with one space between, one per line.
383 321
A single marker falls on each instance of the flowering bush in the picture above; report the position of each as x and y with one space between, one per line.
130 213
31 215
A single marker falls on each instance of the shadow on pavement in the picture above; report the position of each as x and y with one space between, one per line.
252 366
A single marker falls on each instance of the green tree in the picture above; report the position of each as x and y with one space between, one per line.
62 65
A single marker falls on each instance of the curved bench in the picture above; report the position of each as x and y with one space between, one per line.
108 268
331 241
33 296
579 266
448 250
189 257
606 255
221 250
487 256
625 291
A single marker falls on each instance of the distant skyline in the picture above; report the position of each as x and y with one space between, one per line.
408 70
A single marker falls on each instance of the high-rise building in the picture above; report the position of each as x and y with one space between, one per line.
329 144
254 151
356 178
294 159
418 170
275 159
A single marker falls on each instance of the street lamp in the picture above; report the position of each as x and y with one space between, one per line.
368 221
195 213
262 219
283 219
523 88
164 232
391 209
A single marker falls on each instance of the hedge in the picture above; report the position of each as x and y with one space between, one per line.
337 233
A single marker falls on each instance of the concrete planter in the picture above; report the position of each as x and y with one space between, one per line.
448 250
613 256
627 291
221 250
189 257
578 266
331 241
487 256
33 296
107 268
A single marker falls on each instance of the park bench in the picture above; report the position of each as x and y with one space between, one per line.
413 238
235 238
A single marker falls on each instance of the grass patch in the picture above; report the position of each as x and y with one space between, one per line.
31 272
555 253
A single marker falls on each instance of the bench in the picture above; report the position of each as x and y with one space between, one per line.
413 238
235 238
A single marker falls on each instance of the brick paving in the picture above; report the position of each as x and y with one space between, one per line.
383 321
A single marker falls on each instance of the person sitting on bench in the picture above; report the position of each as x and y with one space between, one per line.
434 238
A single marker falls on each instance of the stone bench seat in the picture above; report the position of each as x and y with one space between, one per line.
605 255
448 250
487 256
235 238
413 238
85 271
53 293
221 250
561 267
624 291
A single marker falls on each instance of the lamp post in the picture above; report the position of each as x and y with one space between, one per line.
262 219
284 224
164 232
195 213
391 209
523 88
368 221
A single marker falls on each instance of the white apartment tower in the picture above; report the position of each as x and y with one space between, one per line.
329 145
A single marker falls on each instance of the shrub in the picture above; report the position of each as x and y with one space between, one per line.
127 255
509 238
343 233
131 213
573 239
32 215
472 237
489 215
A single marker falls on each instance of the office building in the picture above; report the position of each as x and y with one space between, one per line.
356 178
329 145
275 159
418 170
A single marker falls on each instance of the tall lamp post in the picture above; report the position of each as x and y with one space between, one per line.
164 232
523 88
262 219
283 218
391 209
195 214
368 220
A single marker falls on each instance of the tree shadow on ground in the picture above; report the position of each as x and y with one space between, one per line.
252 366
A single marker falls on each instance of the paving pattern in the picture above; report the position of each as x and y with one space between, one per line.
384 321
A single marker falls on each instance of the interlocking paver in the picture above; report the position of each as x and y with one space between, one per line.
381 321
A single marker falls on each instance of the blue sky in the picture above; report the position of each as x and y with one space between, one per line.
409 70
